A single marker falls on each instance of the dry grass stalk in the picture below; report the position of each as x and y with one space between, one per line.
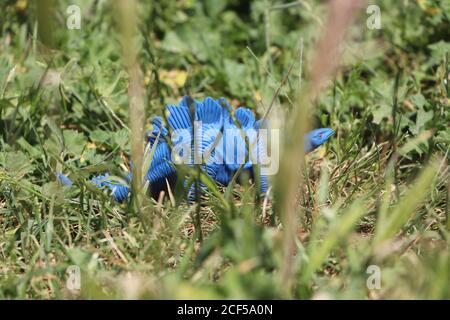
325 62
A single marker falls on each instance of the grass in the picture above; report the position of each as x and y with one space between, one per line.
376 194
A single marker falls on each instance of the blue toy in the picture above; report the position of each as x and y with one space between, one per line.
218 145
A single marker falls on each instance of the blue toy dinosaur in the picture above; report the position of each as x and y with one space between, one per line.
211 143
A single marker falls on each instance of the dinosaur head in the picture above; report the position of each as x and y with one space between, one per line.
316 138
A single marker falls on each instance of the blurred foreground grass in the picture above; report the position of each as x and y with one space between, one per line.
377 194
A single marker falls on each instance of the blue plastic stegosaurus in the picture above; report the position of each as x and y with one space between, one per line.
204 133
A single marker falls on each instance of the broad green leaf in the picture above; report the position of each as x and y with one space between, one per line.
100 135
74 142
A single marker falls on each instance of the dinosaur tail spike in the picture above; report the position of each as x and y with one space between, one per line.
245 117
209 112
158 127
178 117
224 103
